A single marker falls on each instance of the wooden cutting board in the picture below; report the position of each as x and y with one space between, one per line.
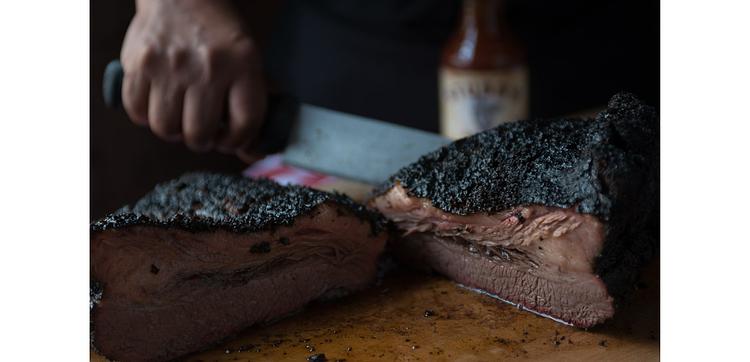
389 323
411 316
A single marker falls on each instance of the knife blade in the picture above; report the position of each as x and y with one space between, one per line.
324 140
354 147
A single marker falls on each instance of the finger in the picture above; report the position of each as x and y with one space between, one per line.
135 96
165 111
247 102
201 116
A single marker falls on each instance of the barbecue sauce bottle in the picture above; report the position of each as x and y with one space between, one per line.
483 78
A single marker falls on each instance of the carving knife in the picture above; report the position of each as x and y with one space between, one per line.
324 140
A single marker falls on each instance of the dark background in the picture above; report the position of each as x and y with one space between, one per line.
579 54
126 160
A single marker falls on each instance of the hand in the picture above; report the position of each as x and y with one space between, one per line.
186 63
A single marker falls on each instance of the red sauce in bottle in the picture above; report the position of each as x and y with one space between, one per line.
483 74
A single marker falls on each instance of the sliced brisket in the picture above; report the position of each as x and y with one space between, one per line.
555 215
204 256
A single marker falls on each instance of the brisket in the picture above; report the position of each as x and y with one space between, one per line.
555 216
205 256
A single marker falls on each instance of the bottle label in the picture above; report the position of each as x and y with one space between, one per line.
472 101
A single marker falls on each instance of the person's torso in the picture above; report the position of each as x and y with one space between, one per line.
374 58
380 59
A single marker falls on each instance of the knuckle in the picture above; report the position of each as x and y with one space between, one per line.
210 56
207 57
148 57
177 58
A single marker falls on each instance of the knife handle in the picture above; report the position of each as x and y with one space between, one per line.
281 111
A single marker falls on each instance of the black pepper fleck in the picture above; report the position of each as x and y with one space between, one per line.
320 357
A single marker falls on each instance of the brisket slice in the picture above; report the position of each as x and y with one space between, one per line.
555 216
205 256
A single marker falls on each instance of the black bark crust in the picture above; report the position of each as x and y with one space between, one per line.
556 162
607 167
205 201
95 296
